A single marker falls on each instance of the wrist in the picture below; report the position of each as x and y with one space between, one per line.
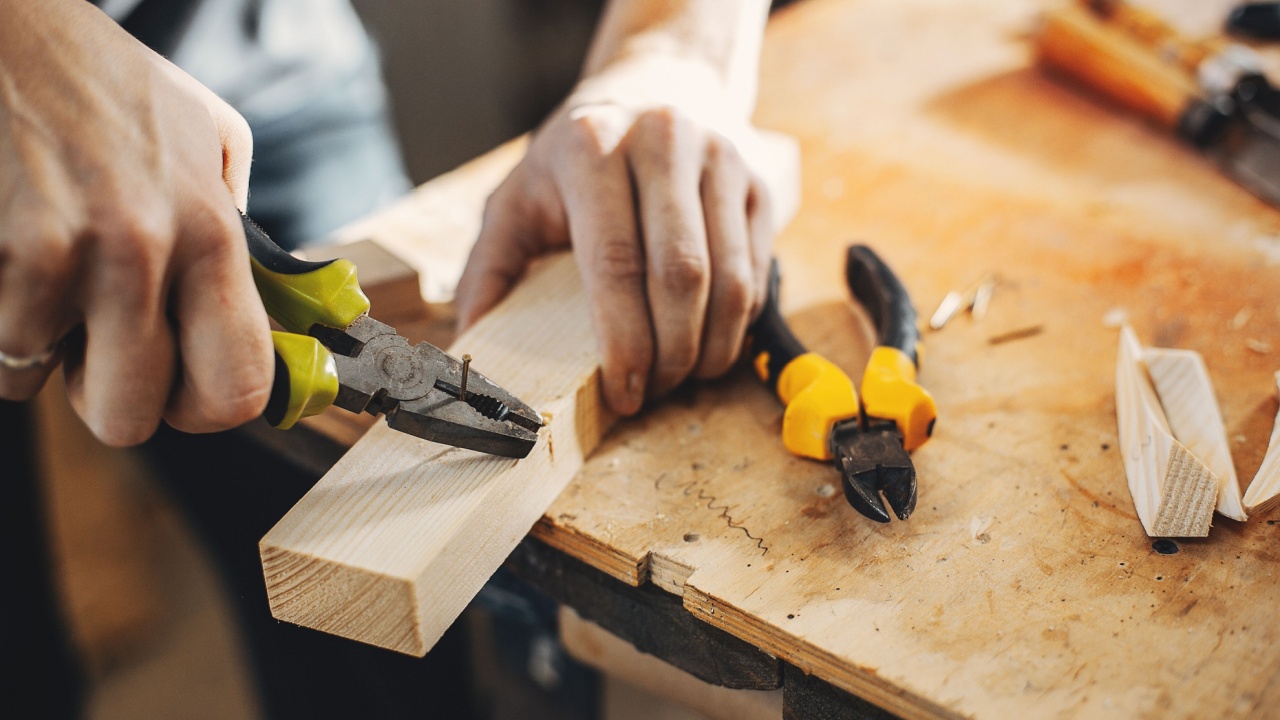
643 80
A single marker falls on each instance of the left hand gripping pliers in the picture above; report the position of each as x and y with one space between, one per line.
869 438
333 353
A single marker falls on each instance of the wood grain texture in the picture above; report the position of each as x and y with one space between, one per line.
1173 491
1264 491
1182 383
391 545
1023 586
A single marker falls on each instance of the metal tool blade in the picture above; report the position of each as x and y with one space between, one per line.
872 461
418 389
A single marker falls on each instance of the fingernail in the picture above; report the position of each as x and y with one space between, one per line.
635 389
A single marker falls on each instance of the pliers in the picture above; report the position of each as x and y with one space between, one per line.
333 353
868 439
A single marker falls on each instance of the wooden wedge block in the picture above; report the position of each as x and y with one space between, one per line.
1173 491
1186 395
1264 491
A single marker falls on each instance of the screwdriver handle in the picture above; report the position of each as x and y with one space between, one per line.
889 387
301 294
1148 28
1081 44
306 380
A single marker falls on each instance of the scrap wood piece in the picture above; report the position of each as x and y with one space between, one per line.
391 545
1182 383
1173 491
1264 491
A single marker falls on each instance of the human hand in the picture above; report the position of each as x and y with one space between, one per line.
642 175
120 178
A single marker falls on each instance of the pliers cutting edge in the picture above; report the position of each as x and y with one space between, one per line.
333 353
869 439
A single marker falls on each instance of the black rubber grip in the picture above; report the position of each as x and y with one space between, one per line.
883 295
770 333
278 402
271 256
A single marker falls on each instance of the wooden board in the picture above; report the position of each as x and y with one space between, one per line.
392 544
1023 586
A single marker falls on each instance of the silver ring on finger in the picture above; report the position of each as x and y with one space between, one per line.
19 362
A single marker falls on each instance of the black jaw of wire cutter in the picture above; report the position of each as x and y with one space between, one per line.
872 461
419 389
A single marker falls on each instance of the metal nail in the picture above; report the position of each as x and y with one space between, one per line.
466 368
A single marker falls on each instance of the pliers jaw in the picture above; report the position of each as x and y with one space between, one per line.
419 390
872 460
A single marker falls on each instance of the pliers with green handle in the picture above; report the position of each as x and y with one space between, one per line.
869 437
333 353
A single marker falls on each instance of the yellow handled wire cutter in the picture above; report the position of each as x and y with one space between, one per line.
868 437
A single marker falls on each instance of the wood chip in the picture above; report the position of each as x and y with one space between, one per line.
1019 334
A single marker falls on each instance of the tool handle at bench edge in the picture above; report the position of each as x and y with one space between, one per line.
1079 43
301 294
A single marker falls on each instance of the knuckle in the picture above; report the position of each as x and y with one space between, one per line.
676 362
240 405
221 231
723 154
137 241
121 432
683 272
44 256
16 388
587 135
619 259
664 122
736 292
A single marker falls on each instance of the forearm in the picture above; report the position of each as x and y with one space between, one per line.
685 46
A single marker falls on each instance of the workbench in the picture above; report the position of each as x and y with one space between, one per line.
1023 585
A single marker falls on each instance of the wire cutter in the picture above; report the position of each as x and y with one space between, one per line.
869 439
333 353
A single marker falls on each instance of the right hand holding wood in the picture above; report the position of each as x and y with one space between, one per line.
115 217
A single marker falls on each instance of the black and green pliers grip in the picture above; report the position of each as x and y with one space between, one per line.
301 295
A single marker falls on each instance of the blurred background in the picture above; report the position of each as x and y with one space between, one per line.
466 76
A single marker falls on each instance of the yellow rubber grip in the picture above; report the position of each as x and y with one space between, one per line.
311 376
329 296
817 395
890 392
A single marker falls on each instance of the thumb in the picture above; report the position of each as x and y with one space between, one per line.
510 238
237 151
233 133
